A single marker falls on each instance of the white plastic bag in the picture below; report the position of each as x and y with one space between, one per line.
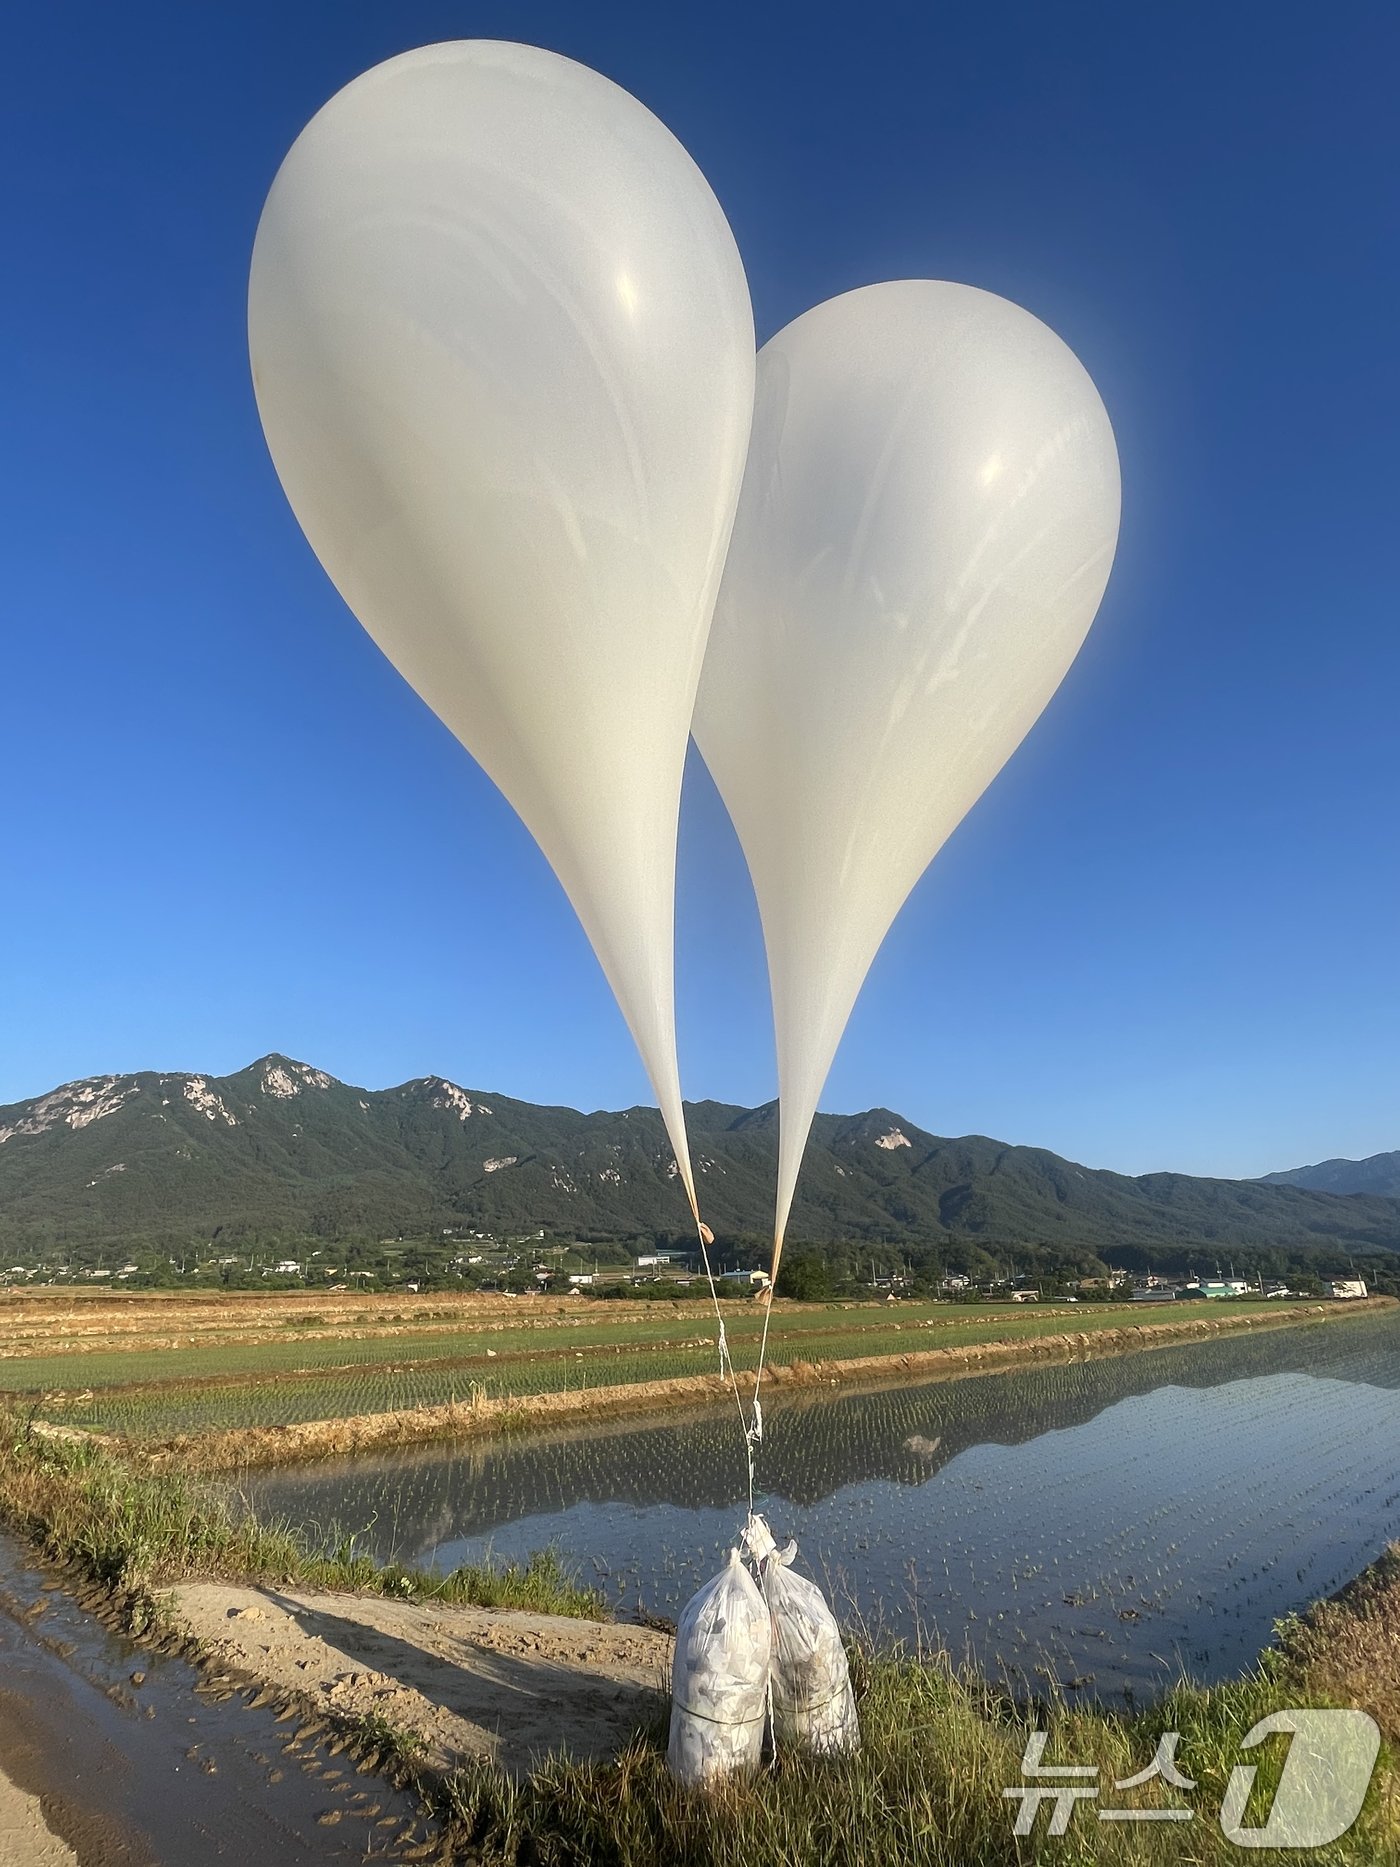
719 1679
813 1704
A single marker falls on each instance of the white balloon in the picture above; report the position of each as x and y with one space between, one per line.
504 357
927 523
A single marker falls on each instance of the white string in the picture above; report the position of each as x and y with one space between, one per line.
757 1427
726 1363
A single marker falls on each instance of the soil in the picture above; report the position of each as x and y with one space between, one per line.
26 1840
465 1682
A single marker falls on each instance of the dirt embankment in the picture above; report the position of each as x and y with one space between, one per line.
314 1439
455 1682
450 1683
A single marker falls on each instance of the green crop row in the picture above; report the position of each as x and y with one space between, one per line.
856 1326
525 1363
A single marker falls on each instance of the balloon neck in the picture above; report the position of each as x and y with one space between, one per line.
778 1238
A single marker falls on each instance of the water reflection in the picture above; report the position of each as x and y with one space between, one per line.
1111 1520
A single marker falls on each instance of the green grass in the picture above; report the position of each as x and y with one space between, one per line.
391 1741
145 1395
939 1747
136 1530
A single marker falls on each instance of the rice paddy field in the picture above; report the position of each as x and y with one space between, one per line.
148 1370
1108 1520
1111 1523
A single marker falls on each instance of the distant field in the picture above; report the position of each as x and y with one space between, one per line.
151 1369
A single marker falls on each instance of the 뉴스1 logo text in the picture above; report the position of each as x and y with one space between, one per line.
1326 1774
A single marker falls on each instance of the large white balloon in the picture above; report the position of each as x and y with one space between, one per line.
504 358
928 519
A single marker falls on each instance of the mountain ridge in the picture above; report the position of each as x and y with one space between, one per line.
1377 1173
282 1148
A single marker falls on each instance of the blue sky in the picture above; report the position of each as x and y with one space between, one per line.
1166 938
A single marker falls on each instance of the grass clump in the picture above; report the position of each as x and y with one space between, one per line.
391 1741
1351 1644
132 1528
926 1790
540 1585
82 1504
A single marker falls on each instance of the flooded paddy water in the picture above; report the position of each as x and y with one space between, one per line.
1114 1522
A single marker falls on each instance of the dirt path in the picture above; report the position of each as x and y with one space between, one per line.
44 1823
26 1840
464 1681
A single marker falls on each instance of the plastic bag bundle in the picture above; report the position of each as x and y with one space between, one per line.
719 1679
813 1704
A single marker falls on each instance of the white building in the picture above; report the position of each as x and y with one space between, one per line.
1344 1287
